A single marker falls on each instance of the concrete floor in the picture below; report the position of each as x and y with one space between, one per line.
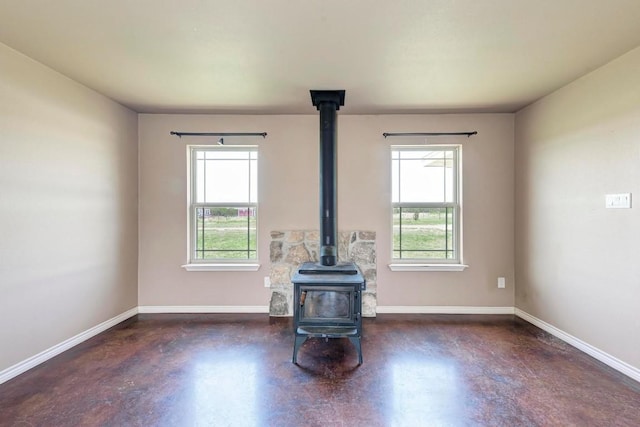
236 370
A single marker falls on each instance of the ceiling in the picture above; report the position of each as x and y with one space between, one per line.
263 56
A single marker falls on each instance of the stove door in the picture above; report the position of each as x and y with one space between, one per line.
327 305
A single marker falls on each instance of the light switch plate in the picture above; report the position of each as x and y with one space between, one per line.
618 201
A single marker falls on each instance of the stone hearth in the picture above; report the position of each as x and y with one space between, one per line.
289 249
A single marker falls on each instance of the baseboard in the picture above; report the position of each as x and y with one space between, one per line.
33 361
436 309
148 309
592 351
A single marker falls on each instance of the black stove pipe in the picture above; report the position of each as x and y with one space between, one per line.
328 102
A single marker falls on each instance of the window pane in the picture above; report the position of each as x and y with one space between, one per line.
222 154
227 181
449 182
423 233
423 176
199 176
420 183
226 233
253 182
395 178
226 176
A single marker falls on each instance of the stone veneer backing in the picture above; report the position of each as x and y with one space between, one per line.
289 249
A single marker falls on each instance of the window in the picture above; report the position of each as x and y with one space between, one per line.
426 203
223 208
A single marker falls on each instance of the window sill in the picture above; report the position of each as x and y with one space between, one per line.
427 267
221 267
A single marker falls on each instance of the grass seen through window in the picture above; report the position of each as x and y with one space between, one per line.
423 233
226 237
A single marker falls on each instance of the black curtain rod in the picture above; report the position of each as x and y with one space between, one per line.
467 134
181 134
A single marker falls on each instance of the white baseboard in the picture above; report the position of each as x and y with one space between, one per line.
148 309
33 361
592 351
436 309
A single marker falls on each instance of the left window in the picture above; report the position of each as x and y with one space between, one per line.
223 204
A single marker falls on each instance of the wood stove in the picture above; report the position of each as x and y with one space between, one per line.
328 294
328 304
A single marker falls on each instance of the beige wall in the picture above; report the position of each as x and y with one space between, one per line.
288 174
68 208
577 262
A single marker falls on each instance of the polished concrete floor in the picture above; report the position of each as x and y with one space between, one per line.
236 370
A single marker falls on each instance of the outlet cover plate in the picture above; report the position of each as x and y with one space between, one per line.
618 201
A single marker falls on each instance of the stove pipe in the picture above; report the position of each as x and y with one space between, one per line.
328 102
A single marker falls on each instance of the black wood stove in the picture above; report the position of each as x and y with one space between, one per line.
328 295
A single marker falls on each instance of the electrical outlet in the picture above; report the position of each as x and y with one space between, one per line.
618 201
501 283
267 282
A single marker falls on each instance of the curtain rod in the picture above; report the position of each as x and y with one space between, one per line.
468 134
181 134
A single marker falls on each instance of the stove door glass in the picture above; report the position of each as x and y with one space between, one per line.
326 304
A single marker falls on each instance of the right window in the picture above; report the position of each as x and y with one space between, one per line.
426 203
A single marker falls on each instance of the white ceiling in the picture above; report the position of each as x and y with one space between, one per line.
263 56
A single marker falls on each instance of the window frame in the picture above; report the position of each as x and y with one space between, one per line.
431 264
206 264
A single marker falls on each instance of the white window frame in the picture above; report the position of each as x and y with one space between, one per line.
214 264
433 264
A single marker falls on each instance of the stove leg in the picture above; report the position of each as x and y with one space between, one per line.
300 339
356 343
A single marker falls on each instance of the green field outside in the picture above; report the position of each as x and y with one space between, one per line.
228 235
423 236
425 233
